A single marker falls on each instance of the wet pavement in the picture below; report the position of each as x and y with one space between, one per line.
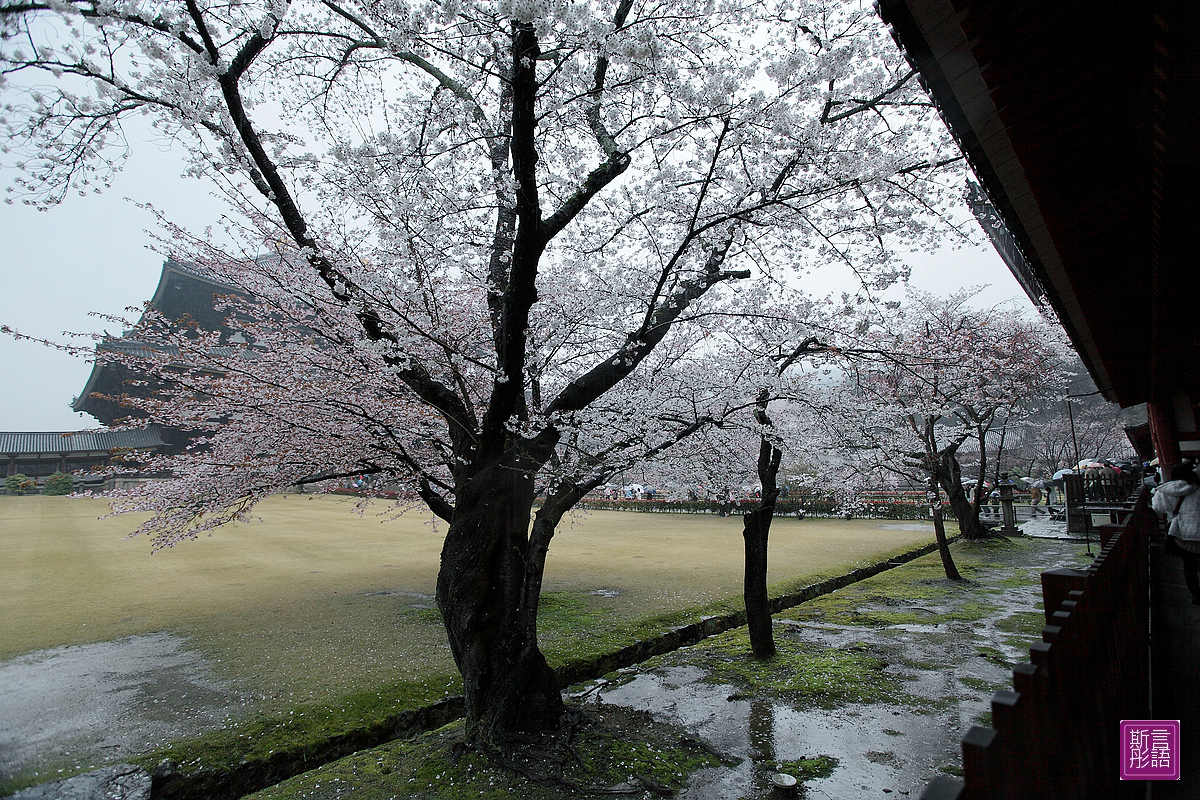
76 707
937 681
880 749
1046 528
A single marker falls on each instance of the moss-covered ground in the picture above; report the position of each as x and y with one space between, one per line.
614 752
803 674
302 731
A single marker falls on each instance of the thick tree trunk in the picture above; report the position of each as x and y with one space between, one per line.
949 474
968 517
487 592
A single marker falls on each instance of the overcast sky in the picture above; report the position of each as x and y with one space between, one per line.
92 254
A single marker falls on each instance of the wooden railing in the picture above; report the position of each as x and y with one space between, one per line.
1083 498
1056 734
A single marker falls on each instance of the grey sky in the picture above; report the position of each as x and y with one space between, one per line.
91 254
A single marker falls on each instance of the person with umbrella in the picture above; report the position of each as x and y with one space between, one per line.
1091 482
1058 483
1036 490
1150 481
1035 497
1109 489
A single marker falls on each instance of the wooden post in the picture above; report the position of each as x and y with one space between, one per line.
1056 586
1162 429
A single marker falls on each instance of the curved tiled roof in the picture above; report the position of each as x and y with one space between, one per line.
14 443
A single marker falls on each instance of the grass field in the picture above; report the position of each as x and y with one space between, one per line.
316 601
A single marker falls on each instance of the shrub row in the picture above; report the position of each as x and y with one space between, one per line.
59 483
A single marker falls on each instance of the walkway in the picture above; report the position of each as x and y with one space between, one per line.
1175 638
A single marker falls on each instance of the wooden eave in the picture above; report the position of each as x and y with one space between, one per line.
1078 119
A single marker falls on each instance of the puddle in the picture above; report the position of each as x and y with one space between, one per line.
91 704
946 672
878 747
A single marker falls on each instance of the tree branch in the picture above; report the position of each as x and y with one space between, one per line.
579 393
508 393
863 105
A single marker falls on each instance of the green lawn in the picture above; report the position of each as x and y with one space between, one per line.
315 601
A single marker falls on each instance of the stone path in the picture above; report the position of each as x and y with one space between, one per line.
945 672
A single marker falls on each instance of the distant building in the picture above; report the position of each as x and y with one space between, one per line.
40 454
184 293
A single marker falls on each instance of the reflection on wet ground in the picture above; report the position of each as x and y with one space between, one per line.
953 647
1045 527
80 706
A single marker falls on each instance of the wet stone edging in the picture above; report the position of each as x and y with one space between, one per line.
250 776
169 783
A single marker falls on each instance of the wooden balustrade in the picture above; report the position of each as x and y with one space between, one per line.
1056 735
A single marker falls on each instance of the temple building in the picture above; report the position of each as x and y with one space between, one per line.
37 455
184 293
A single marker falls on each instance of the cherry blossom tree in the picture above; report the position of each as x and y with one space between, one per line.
1060 436
778 354
943 373
503 237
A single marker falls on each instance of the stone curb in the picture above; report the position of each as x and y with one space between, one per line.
251 776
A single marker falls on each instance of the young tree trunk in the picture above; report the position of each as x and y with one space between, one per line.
487 591
755 527
939 531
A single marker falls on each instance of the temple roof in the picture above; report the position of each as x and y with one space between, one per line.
184 290
17 443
